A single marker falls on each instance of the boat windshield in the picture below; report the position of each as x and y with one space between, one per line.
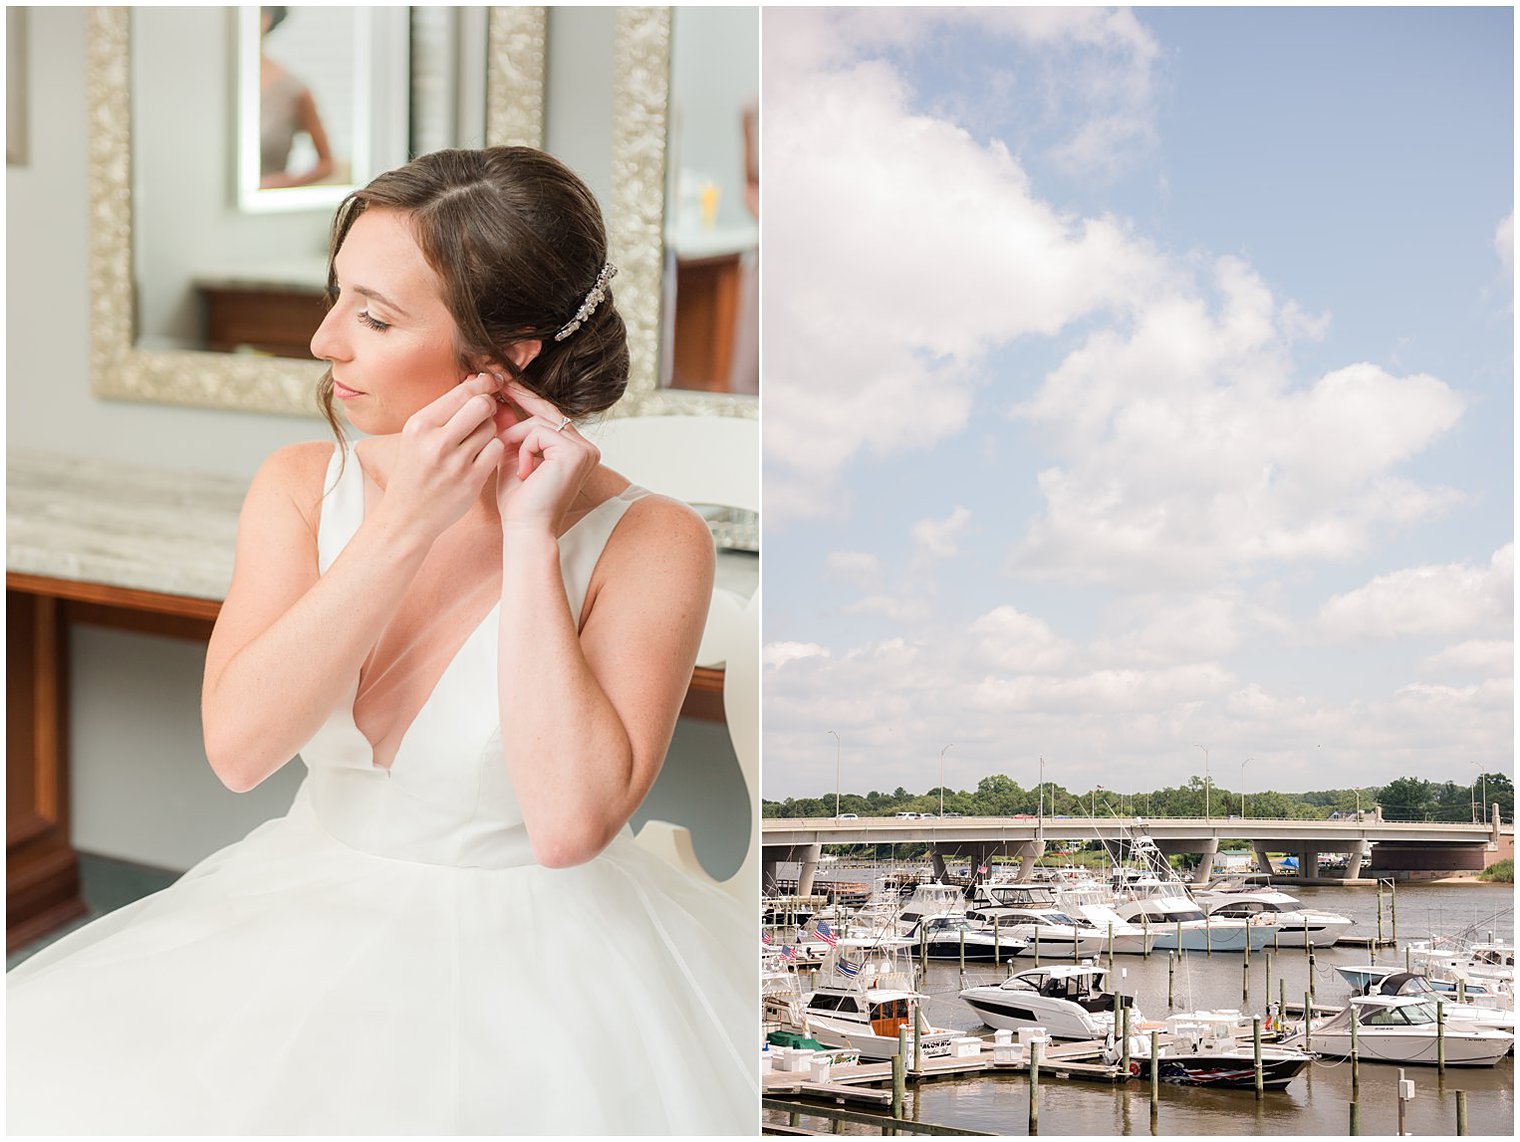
1404 1015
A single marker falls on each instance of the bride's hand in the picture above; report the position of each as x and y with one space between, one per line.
545 464
448 450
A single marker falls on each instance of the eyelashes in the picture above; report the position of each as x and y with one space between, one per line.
365 318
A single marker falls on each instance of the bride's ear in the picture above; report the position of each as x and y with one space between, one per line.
522 353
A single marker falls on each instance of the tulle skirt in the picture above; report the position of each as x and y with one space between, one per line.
290 984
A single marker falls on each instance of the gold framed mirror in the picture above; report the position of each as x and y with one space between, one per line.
123 367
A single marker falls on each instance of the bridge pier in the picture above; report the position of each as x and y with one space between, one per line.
1263 861
938 858
809 868
1029 854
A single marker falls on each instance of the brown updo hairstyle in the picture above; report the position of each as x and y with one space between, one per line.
517 241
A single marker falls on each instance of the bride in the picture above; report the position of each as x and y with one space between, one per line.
478 640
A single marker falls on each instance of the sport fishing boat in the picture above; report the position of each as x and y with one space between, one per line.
1070 1001
1402 1029
1252 897
1178 924
1214 1048
863 1005
1094 903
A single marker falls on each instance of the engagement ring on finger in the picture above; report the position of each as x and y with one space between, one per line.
562 424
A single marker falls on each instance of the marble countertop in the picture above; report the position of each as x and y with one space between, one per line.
155 530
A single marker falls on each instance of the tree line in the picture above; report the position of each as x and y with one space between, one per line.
1404 799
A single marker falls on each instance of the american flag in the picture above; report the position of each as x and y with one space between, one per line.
826 934
789 953
981 870
765 938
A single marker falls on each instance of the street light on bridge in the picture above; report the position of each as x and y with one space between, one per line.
1243 785
836 772
942 781
1207 815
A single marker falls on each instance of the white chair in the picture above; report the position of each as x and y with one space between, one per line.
708 460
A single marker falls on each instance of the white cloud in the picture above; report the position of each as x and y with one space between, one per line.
1504 242
1491 657
1168 630
1437 599
936 538
778 654
853 568
1011 642
1188 453
875 329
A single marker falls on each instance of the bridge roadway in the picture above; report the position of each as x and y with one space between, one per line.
1393 846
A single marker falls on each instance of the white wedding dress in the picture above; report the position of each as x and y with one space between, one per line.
387 958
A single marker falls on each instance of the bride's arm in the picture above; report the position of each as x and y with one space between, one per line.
288 643
587 717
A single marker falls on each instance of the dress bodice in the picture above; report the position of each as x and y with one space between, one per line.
447 797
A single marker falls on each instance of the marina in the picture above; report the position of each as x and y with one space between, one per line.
1185 999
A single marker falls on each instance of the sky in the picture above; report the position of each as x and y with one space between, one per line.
1137 395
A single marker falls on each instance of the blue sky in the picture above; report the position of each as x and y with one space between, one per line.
1137 379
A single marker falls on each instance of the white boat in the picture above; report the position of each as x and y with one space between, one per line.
1214 1048
1402 1029
930 900
1371 980
951 937
1489 965
1028 912
1070 1001
1094 903
1247 898
864 1010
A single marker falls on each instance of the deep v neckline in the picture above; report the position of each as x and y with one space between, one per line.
474 632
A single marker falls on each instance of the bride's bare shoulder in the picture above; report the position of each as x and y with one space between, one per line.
297 474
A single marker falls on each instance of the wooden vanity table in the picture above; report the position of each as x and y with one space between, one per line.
136 549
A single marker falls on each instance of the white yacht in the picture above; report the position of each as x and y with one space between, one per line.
1402 1029
1070 1001
1164 908
951 937
930 900
1478 1010
1028 912
1094 903
1248 898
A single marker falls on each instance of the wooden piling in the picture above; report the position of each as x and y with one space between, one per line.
1356 1067
1155 1070
1034 1087
997 943
1037 947
1256 1054
963 957
1124 1022
918 1039
1171 971
1380 914
1393 909
1245 985
1308 1019
1440 1038
900 1072
1311 970
1110 945
1461 1113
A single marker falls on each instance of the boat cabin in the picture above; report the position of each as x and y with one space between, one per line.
1085 986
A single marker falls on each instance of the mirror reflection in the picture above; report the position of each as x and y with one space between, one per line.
289 112
712 305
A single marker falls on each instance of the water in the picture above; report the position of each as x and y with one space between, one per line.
1314 1103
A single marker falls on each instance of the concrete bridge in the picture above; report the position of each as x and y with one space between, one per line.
1373 847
